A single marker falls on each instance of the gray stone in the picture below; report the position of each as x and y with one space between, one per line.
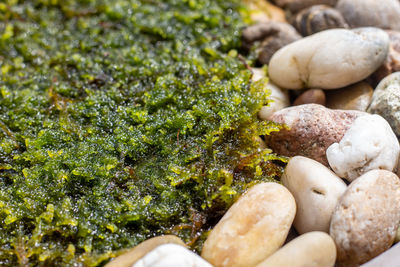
386 101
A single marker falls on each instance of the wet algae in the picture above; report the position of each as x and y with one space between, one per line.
121 120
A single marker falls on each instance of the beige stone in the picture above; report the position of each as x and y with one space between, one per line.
314 249
354 97
132 255
311 130
253 228
329 59
316 190
365 221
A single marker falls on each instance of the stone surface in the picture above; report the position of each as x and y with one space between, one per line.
361 13
311 249
171 255
312 96
312 129
368 144
386 101
296 5
316 190
313 62
365 221
279 97
318 18
390 258
253 228
134 254
263 11
354 97
392 62
271 37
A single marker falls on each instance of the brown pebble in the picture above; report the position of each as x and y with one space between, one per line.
312 96
354 97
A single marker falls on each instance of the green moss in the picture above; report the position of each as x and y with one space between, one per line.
121 120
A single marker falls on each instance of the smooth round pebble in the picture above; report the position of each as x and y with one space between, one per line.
318 18
253 228
368 144
279 97
361 13
316 190
354 97
296 5
312 96
171 255
134 254
311 130
392 62
365 221
314 249
329 59
386 101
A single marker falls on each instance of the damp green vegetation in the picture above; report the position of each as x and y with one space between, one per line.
121 120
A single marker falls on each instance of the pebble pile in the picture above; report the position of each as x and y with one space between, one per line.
340 190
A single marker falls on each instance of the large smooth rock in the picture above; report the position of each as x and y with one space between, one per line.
361 13
365 221
171 255
253 228
311 130
368 144
386 101
329 59
133 255
312 249
316 190
354 97
279 98
318 18
296 5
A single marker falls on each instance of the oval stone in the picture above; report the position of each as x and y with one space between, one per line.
312 96
253 228
311 249
354 97
316 190
365 221
329 59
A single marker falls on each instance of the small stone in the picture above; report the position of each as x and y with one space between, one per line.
311 249
329 59
365 221
171 255
386 101
279 97
368 144
311 130
133 255
354 97
296 5
253 228
361 13
312 96
271 37
262 11
392 62
318 18
316 190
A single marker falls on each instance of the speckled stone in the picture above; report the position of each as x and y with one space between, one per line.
312 129
365 221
